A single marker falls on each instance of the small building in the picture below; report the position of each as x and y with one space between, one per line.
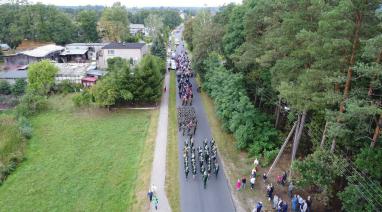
50 51
4 47
75 54
137 28
128 51
12 76
93 48
72 72
92 76
88 81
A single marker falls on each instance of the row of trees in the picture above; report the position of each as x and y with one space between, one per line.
22 20
124 84
251 128
316 63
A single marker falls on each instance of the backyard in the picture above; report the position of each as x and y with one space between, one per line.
80 160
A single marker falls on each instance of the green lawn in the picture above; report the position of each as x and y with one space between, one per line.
79 161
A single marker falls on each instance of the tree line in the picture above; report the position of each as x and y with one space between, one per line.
313 63
23 20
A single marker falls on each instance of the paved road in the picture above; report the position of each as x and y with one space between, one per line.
158 172
193 197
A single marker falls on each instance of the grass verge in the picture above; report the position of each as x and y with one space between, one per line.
79 161
140 199
172 166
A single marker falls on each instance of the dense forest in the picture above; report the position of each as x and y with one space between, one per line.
313 67
23 20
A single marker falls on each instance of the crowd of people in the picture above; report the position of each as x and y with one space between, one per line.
298 204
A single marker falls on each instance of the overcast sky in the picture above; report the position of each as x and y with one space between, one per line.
142 3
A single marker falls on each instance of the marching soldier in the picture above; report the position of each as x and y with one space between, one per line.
216 169
205 178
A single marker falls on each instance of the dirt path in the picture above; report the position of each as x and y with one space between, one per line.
158 173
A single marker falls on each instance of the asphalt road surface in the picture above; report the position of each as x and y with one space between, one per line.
193 197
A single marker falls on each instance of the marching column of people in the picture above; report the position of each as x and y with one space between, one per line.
203 158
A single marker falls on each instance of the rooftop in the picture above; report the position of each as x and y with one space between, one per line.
86 44
75 50
4 46
96 72
137 26
13 75
31 44
43 51
72 69
124 46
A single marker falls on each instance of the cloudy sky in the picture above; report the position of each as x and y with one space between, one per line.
142 3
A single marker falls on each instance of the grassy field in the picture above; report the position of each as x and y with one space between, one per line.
172 172
81 161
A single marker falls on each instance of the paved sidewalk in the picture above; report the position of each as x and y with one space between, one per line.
158 172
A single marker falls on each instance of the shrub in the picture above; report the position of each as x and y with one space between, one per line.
5 87
82 99
25 127
66 87
31 104
19 87
269 156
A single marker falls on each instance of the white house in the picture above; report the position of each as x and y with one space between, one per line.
137 28
128 51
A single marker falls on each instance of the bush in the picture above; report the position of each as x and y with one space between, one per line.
269 156
25 127
82 99
66 87
19 87
5 87
31 104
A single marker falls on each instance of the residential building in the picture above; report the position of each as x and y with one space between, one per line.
128 51
137 28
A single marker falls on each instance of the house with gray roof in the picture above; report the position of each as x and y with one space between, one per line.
128 51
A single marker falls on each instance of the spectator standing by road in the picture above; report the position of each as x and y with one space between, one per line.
155 202
150 195
252 182
294 203
243 182
290 189
309 203
238 184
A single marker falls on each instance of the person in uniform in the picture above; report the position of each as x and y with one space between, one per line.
205 178
216 169
186 171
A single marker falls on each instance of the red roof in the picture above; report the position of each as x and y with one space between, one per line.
89 79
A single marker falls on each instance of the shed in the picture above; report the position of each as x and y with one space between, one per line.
4 47
88 81
75 54
12 76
